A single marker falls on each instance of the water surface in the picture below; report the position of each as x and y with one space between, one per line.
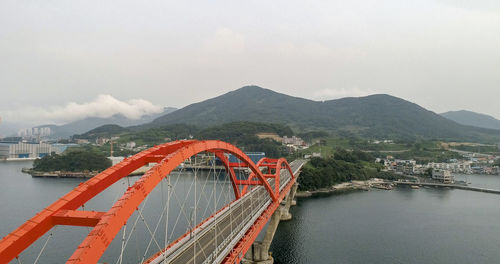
398 226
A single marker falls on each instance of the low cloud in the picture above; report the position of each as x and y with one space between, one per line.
327 94
103 106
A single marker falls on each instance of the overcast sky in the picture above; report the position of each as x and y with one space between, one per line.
441 54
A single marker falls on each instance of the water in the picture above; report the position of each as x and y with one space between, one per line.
398 226
22 196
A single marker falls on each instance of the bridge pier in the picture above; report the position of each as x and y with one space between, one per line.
285 214
259 252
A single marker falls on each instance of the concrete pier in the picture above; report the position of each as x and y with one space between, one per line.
259 252
285 209
456 186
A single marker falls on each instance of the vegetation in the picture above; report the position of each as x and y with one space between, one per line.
421 151
244 135
102 131
155 136
311 135
344 166
75 161
425 155
241 134
478 148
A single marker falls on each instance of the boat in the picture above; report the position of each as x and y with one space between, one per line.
414 187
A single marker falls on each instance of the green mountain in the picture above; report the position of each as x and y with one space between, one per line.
375 116
473 119
102 131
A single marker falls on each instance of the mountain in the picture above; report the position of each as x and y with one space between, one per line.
102 131
473 119
84 125
374 116
8 129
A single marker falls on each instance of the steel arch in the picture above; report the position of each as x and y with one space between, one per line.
107 224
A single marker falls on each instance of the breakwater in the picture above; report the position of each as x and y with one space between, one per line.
455 186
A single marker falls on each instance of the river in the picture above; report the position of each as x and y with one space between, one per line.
378 226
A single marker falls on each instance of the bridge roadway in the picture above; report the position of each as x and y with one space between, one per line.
213 240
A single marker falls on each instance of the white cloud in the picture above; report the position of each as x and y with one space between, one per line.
103 106
327 94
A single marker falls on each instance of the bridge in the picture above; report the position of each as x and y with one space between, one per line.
209 216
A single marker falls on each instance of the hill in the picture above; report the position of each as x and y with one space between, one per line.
375 116
84 125
242 134
102 131
469 118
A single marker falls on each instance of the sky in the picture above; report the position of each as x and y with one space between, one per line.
63 60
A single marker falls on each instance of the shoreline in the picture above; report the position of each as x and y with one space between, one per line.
348 186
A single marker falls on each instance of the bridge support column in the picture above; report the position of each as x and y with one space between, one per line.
259 252
285 214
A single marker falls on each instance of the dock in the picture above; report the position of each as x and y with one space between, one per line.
455 186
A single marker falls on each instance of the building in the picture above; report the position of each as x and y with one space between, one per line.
313 155
455 167
101 141
443 176
25 150
296 141
82 141
130 145
254 156
34 132
404 166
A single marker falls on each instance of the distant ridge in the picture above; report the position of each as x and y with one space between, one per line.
374 116
470 118
84 125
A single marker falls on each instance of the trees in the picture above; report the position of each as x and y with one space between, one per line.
78 160
244 135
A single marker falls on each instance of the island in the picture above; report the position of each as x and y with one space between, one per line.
75 164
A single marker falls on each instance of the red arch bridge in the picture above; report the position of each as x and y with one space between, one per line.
191 205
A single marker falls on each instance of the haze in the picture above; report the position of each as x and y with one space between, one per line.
443 55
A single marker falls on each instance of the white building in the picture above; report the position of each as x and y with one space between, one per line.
23 150
455 167
130 145
296 141
443 176
34 132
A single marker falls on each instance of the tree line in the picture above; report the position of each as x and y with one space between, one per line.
344 166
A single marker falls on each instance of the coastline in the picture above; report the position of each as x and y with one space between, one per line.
348 186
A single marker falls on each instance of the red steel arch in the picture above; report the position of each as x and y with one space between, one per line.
107 224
